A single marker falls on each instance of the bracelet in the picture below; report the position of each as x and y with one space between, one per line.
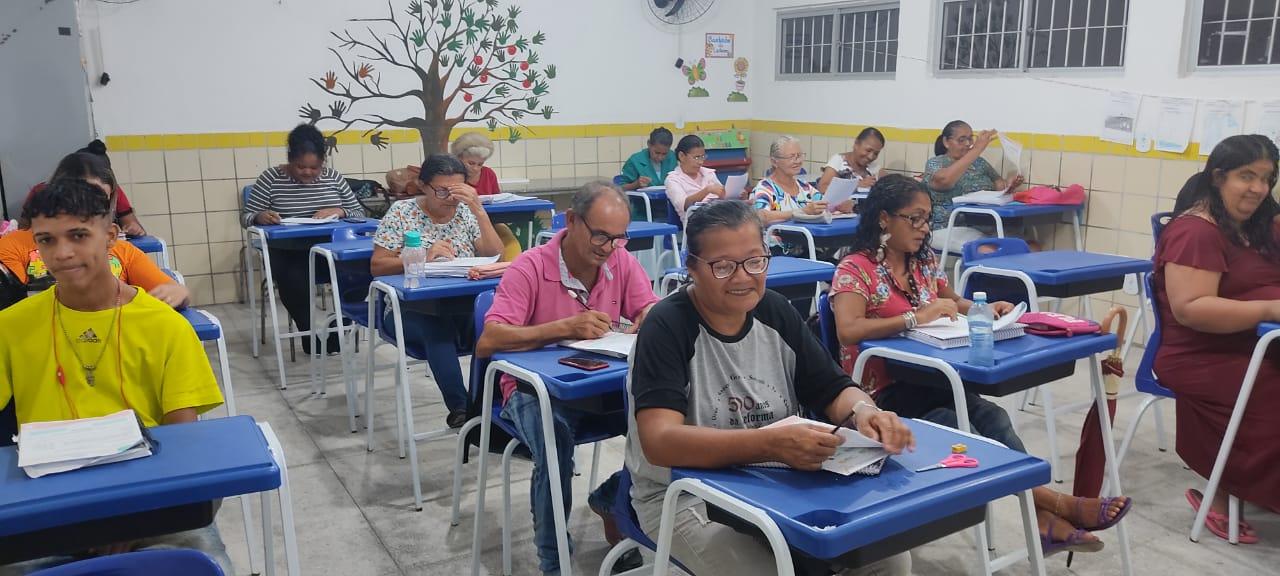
910 318
859 405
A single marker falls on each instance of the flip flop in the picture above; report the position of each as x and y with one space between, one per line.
1075 542
1219 523
1103 522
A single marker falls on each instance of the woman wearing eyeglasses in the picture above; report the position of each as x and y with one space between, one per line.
691 182
783 194
958 168
453 224
714 364
891 283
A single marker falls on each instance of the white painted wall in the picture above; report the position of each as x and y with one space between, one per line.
196 66
920 98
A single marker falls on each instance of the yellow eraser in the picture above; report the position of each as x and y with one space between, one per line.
959 448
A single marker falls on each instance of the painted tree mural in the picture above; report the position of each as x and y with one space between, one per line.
465 61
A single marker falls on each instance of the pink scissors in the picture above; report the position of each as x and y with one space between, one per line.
953 461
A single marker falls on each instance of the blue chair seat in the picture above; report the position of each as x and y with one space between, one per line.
186 562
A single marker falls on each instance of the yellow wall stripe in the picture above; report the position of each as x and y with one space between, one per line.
1033 141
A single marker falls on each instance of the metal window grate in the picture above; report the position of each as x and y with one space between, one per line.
807 43
1239 33
980 34
869 41
1078 33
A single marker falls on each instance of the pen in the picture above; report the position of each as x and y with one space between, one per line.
843 420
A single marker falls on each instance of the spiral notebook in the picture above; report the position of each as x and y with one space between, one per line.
858 454
945 333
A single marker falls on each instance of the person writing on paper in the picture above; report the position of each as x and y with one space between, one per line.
692 182
575 287
473 149
891 283
649 167
304 187
958 168
715 363
19 251
1217 276
453 224
94 345
858 164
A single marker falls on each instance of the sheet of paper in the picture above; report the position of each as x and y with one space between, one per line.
735 185
1119 118
87 438
1012 151
297 220
1219 119
1177 121
616 344
839 191
1144 135
855 453
503 198
1268 123
456 268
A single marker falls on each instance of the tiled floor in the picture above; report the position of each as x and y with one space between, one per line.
354 508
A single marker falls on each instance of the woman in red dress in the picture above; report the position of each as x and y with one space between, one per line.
1217 276
473 149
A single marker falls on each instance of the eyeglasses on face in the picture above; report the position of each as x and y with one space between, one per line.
916 221
601 238
721 269
441 193
798 156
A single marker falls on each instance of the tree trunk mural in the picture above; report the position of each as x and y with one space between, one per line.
464 61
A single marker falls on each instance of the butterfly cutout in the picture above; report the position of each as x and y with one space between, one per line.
696 72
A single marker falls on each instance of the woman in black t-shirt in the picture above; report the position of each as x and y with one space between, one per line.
716 362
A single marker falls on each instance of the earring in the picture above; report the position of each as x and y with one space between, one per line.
884 239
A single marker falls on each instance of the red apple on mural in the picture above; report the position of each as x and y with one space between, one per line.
466 96
479 60
484 78
526 83
524 65
511 50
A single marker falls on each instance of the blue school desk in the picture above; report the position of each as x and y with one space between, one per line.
520 212
153 245
169 491
1014 210
353 253
1020 364
648 197
312 231
540 374
831 236
856 520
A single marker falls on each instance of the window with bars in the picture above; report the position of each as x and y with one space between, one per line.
1238 33
845 39
1027 34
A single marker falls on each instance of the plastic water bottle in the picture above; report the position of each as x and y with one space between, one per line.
982 340
414 258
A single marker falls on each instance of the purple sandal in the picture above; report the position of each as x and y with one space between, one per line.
1103 522
1075 542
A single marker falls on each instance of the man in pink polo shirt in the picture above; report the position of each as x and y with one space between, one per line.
576 286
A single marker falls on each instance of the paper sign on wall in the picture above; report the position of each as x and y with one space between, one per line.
1219 120
1269 121
1120 116
1177 119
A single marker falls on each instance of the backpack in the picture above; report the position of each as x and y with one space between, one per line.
371 195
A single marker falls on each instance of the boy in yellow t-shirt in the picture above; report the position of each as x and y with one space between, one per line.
94 345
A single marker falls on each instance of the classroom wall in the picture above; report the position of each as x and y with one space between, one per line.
204 92
1056 123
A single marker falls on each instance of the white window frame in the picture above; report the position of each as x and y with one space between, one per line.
835 10
1191 49
1023 66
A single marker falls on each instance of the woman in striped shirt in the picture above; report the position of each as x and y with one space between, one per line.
304 187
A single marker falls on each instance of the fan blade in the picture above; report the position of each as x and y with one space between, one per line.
675 7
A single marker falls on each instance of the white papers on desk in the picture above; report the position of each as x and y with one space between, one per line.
615 344
60 446
297 220
857 455
503 198
944 333
456 268
986 197
839 191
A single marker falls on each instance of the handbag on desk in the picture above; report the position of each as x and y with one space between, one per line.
1059 325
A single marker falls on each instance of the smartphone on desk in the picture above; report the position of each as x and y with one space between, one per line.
584 362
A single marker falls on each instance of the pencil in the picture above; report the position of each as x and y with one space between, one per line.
842 420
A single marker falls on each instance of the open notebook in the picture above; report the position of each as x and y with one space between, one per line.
944 333
65 445
985 197
615 344
858 454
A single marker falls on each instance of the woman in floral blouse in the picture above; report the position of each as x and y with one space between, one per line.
453 224
783 194
891 283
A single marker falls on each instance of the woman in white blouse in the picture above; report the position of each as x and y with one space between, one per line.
691 182
857 164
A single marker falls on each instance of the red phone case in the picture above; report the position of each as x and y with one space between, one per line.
584 363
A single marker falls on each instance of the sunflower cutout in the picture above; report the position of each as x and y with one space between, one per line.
696 73
739 94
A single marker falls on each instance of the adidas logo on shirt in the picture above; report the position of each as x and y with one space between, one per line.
88 337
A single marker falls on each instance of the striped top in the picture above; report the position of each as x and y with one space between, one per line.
276 190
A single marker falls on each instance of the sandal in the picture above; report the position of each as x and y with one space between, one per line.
1075 541
1103 522
1219 523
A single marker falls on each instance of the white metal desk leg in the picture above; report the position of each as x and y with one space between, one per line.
251 288
983 547
1031 532
286 502
246 509
553 474
486 423
1109 449
314 356
747 512
270 301
268 539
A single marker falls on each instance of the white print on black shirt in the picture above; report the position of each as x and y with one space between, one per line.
749 402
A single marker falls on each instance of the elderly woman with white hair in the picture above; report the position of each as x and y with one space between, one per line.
473 149
783 194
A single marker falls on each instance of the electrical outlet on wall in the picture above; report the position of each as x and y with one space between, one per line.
1131 284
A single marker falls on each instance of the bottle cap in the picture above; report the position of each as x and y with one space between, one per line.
412 239
979 296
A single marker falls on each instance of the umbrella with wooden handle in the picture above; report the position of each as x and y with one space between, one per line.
1090 458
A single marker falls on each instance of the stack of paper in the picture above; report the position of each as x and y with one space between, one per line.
305 220
456 268
503 198
616 344
989 197
61 446
945 333
857 455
